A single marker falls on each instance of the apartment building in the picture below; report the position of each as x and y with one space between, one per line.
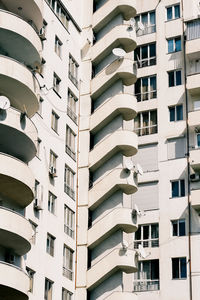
99 151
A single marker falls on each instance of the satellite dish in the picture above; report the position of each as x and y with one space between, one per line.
128 165
125 245
4 102
142 252
140 25
139 212
119 52
139 169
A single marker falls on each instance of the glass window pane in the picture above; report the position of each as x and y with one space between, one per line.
178 77
198 140
144 52
155 269
146 232
171 79
175 228
154 231
152 50
169 13
183 267
145 19
172 114
178 44
196 105
177 11
138 234
175 189
179 112
181 227
182 188
170 46
175 268
153 83
152 18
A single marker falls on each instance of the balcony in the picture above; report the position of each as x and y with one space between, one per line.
116 180
15 231
122 36
193 83
18 135
16 34
16 180
146 285
194 118
119 218
124 104
111 9
122 296
117 260
195 159
195 199
30 10
193 49
120 69
14 282
123 141
19 85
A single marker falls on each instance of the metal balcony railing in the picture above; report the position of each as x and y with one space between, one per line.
146 62
146 285
69 191
146 30
67 273
146 95
152 243
72 114
70 152
69 231
146 130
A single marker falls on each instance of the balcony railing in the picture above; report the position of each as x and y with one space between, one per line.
67 273
70 152
71 114
146 96
69 191
146 285
146 130
146 62
69 231
146 30
147 243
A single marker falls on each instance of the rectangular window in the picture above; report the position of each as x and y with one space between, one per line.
48 289
198 140
66 295
69 182
54 121
73 70
50 244
147 276
52 163
174 44
56 83
71 106
60 11
34 228
147 236
145 55
31 274
38 195
68 262
176 113
69 219
173 12
146 123
145 23
178 227
40 106
176 148
193 29
174 78
58 46
52 203
38 147
145 88
70 142
179 268
178 188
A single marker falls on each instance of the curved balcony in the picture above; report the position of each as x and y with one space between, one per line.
123 141
118 218
18 135
193 49
122 36
193 83
194 118
16 180
111 9
116 260
124 104
116 180
30 10
195 199
15 231
19 40
122 296
14 282
19 85
195 159
121 69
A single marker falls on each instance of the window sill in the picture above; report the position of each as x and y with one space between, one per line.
173 52
166 21
177 197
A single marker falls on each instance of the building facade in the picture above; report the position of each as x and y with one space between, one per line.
99 151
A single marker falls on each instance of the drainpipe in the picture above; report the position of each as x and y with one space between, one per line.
188 158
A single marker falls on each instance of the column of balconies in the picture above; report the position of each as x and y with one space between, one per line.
20 54
119 143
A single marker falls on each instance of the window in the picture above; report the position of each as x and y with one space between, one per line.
71 106
40 106
179 268
68 262
69 217
198 140
69 182
54 121
52 203
34 228
149 23
38 147
60 11
66 295
176 113
176 148
73 70
194 67
36 189
31 274
145 55
50 244
48 289
38 195
178 227
145 88
58 46
193 31
56 83
174 78
70 142
178 188
196 104
174 44
146 122
173 12
52 160
147 236
147 276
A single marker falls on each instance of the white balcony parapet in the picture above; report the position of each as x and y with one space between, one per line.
195 199
195 159
194 118
122 296
193 83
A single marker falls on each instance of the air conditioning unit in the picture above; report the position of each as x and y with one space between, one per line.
195 177
52 171
42 34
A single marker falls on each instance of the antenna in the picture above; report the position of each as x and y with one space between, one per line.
119 52
142 253
4 103
125 245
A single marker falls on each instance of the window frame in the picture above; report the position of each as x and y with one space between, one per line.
175 72
52 159
52 203
145 62
173 12
66 295
68 259
173 39
180 259
181 193
149 28
58 46
146 130
177 222
69 221
73 70
50 244
56 84
69 182
149 94
31 274
72 106
54 121
48 287
175 113
147 243
70 142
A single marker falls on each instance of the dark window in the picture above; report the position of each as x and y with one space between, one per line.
179 268
173 12
178 188
174 44
174 78
178 227
176 113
